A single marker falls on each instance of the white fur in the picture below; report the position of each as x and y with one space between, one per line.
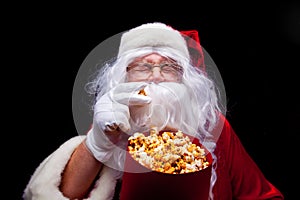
154 35
45 181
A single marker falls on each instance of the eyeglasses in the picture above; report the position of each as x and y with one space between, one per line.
168 70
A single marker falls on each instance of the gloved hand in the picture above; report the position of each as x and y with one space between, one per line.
107 138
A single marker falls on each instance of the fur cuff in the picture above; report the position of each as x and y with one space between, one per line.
45 181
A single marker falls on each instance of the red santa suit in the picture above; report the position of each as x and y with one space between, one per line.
238 176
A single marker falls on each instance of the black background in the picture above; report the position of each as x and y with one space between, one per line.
256 48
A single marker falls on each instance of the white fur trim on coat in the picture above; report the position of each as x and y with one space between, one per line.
153 35
45 181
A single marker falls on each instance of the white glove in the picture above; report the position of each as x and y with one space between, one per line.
112 118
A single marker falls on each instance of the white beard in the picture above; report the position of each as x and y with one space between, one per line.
173 105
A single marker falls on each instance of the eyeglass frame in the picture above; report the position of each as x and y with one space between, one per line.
177 68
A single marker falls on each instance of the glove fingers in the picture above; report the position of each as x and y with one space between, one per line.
120 121
127 94
115 121
106 108
129 87
131 99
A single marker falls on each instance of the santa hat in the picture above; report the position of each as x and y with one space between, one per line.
157 34
154 35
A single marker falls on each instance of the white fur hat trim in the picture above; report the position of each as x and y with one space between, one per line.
154 35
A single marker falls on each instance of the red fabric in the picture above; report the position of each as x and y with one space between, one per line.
238 176
195 49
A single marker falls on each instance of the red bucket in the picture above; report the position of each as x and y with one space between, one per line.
140 183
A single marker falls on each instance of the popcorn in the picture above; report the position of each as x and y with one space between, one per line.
168 152
142 92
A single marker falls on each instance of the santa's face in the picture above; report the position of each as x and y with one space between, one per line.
154 68
173 105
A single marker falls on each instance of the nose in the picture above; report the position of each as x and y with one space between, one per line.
156 76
